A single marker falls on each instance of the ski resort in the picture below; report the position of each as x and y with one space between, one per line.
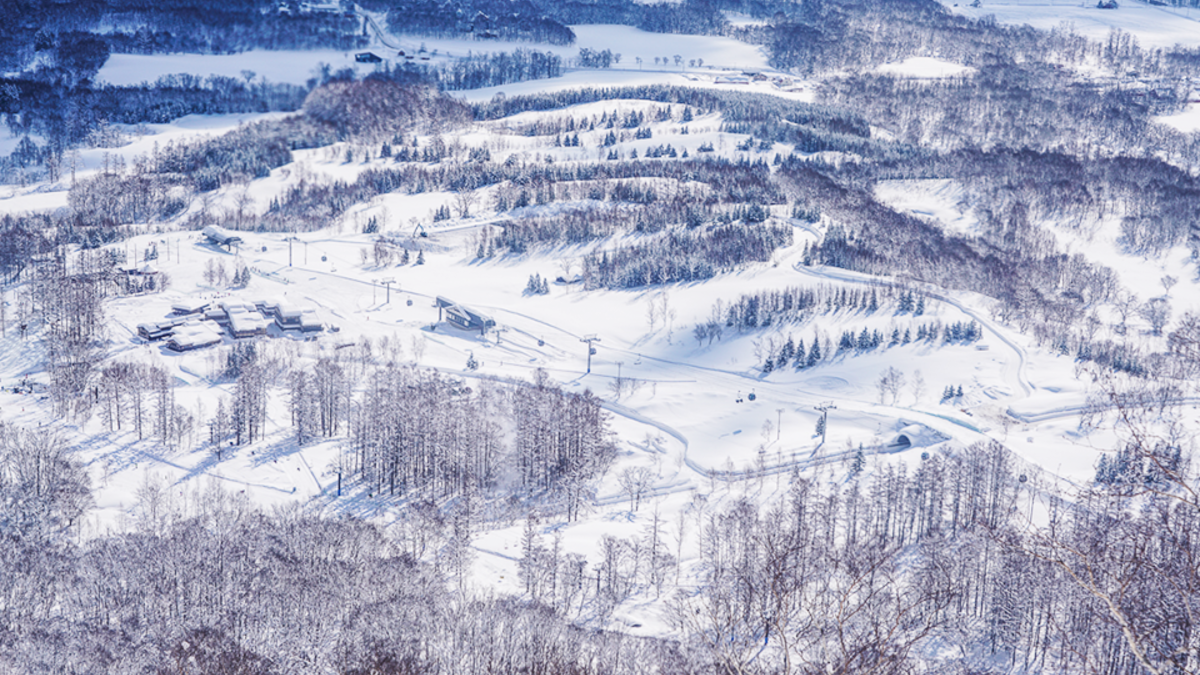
627 338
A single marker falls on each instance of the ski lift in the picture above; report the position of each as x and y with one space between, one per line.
324 259
264 249
739 397
592 351
1023 478
541 342
410 302
924 456
751 395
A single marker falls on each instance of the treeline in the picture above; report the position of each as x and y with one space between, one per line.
736 107
1155 202
72 116
420 435
828 36
378 108
871 574
547 21
205 582
1041 289
204 31
66 116
38 27
808 127
1037 105
797 304
311 206
411 434
692 17
683 255
141 397
494 69
477 19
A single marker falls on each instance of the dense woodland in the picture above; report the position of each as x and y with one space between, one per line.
871 574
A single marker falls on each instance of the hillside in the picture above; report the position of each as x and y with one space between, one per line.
731 337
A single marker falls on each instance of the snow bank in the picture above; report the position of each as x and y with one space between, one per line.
924 67
1186 121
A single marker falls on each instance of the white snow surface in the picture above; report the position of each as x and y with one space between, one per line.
298 66
1152 26
1187 121
937 199
682 419
925 67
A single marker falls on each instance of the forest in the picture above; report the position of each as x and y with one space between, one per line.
871 575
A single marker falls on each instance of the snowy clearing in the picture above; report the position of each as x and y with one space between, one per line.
925 67
1152 26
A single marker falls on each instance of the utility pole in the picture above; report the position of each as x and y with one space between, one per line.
591 350
825 408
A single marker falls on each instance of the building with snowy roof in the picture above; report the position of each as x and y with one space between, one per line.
220 236
194 335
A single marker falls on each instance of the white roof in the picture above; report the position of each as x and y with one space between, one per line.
244 322
195 334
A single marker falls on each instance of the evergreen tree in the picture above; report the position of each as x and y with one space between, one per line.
814 354
864 340
860 461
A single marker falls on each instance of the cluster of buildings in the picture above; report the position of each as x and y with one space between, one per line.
194 326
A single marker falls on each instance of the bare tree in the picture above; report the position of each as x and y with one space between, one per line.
464 201
1168 282
1156 312
635 481
918 386
890 382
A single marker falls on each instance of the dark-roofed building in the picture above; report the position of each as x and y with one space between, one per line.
463 317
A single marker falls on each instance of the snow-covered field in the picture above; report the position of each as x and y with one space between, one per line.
298 66
688 416
1187 121
1152 26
